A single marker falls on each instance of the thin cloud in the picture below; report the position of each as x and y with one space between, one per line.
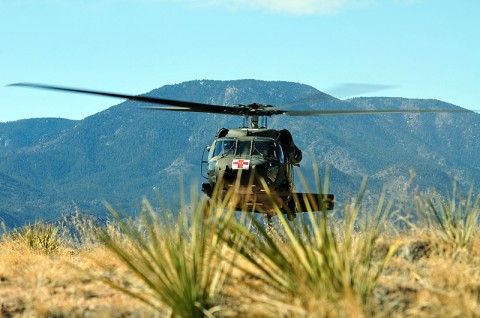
296 7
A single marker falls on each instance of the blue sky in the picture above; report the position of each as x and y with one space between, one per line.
428 48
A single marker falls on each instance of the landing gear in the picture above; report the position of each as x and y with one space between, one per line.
269 225
207 189
291 209
206 208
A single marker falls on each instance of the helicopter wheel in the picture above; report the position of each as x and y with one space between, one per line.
291 210
269 227
206 206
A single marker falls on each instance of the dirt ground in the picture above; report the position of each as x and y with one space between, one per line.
65 284
425 278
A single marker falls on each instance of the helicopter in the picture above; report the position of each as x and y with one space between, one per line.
256 161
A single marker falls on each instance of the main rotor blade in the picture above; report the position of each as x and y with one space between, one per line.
320 96
241 110
356 89
367 112
227 110
184 106
337 92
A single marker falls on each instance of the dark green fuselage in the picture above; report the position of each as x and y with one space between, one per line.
254 158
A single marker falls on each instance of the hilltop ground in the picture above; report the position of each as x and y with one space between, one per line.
428 276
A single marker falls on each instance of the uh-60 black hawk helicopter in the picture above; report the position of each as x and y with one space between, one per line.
255 160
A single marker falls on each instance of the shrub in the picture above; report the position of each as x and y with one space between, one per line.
185 263
455 218
311 258
40 237
177 259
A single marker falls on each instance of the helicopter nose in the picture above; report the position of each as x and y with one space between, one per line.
231 173
267 170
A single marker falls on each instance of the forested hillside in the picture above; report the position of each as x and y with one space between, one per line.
50 167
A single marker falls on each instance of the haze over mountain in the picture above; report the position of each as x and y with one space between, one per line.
51 166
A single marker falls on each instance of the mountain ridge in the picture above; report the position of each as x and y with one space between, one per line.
123 153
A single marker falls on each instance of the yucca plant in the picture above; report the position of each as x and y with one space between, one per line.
39 237
178 260
311 256
455 218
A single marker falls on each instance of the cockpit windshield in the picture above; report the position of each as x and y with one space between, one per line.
264 148
224 146
244 148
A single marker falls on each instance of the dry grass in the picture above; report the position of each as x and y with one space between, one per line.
219 266
430 277
427 277
64 284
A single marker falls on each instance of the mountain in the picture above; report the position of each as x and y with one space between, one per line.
50 167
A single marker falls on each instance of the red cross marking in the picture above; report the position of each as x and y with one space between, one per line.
240 164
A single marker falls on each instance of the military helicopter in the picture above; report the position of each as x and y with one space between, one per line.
258 161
